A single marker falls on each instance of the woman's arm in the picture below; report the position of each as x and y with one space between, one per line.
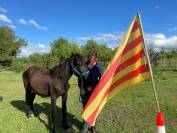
100 70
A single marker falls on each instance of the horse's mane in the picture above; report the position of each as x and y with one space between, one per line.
59 70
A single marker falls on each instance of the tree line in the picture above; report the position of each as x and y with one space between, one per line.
60 49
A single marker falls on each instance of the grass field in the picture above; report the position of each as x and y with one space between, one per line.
131 111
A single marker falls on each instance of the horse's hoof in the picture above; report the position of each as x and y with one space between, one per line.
30 114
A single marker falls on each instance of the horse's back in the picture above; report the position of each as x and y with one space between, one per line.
35 69
38 79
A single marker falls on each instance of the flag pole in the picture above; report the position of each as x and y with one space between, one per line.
151 74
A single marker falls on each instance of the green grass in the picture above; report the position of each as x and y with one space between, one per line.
131 111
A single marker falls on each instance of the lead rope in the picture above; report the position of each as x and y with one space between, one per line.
81 89
79 75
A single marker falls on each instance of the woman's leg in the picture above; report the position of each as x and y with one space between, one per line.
85 124
93 129
85 127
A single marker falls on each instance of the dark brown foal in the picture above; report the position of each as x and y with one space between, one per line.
53 83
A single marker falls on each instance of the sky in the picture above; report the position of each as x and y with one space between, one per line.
42 21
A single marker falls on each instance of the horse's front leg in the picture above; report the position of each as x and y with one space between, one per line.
53 114
64 113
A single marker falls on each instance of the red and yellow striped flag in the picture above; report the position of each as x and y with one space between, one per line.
128 66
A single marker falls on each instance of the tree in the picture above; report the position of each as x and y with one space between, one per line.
104 52
10 45
62 49
171 54
90 45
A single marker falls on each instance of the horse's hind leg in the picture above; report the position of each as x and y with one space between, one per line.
32 100
29 101
64 112
53 114
30 95
27 93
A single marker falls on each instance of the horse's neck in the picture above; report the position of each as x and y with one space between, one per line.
66 71
63 71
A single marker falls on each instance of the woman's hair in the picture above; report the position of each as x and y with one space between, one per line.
90 55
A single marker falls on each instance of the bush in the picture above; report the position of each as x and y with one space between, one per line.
20 64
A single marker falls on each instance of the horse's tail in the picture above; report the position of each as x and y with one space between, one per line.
27 87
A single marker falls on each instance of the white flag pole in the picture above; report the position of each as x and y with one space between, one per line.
151 74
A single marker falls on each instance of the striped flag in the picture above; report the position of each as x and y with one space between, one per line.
128 66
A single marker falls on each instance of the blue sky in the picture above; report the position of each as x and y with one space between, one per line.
42 21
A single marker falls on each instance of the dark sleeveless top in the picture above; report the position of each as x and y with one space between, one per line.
93 78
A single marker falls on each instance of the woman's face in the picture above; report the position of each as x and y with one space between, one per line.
93 59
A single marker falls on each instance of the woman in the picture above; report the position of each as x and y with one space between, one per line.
87 85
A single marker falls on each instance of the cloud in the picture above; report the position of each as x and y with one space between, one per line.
41 46
4 18
103 37
157 7
22 21
32 23
157 40
35 24
161 41
3 10
31 49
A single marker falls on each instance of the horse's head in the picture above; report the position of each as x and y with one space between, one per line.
79 65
